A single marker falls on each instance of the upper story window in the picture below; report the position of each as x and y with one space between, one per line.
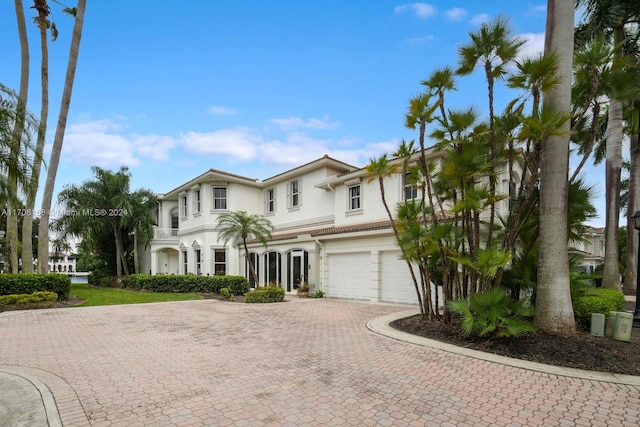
270 200
355 197
219 198
295 193
184 203
197 202
410 189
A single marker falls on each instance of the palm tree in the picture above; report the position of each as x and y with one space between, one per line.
381 169
43 230
611 17
493 48
43 24
241 227
554 312
139 219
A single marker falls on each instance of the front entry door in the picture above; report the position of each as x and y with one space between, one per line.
296 271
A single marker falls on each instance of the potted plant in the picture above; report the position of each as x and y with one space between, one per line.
303 290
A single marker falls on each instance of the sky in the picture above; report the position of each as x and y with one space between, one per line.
252 87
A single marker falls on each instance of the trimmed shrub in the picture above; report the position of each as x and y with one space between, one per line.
268 294
28 283
41 298
237 285
595 300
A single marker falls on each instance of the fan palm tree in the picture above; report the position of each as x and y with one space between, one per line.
56 150
493 47
241 227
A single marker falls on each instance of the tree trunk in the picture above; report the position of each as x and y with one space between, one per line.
553 309
136 260
27 222
252 268
43 230
18 129
613 167
633 205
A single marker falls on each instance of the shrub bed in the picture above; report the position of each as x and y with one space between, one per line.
268 294
596 300
41 299
28 283
237 285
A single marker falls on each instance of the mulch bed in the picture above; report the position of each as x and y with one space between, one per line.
580 350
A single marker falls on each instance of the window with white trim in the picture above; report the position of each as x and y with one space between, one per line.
270 200
219 262
185 264
294 189
184 202
410 189
219 198
197 201
198 262
355 199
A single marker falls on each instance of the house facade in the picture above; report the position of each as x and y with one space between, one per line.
331 230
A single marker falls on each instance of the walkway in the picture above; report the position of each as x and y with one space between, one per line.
302 363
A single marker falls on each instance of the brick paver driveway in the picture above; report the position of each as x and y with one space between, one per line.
307 362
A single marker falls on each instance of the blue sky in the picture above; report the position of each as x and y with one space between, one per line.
172 89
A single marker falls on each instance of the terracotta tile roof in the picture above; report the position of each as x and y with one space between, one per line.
327 231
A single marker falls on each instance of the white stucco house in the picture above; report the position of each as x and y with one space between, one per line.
330 230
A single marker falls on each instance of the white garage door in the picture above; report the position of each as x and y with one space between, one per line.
397 285
350 276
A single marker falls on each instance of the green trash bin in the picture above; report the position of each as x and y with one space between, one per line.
611 320
622 326
597 324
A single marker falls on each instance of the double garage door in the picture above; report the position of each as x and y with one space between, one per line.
350 277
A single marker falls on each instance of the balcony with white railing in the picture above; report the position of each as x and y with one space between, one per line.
165 234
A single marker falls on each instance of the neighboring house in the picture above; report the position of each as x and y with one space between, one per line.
331 230
61 263
591 250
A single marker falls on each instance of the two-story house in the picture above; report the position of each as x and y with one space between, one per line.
330 230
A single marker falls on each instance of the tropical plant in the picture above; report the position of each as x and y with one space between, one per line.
240 228
492 313
56 150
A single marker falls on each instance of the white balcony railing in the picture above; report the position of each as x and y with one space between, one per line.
165 233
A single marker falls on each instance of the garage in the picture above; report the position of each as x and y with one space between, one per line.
397 285
350 276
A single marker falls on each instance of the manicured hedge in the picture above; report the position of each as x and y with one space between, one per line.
596 300
45 299
268 294
28 283
237 285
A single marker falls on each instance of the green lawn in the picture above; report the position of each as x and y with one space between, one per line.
103 296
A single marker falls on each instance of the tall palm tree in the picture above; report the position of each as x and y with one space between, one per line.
554 312
18 128
611 18
139 219
241 227
43 230
379 169
493 47
43 24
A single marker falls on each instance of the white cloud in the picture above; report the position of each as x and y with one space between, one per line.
537 10
456 14
154 146
239 144
422 10
534 45
480 19
223 111
97 143
294 123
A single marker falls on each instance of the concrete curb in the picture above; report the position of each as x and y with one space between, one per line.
23 382
381 326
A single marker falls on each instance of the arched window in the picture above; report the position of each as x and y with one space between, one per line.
272 268
255 259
